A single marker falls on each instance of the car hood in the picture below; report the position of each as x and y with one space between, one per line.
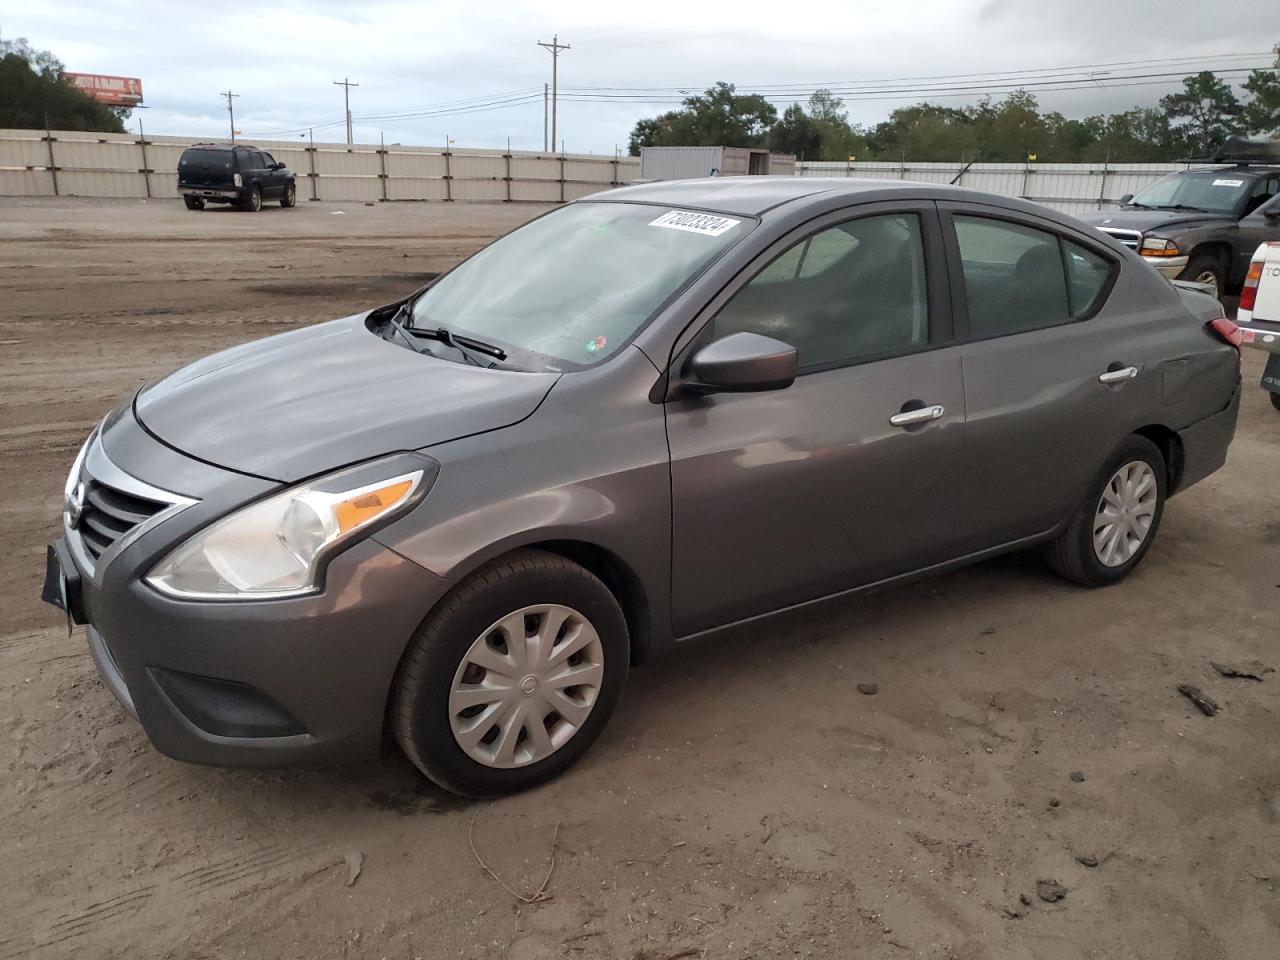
1145 220
300 403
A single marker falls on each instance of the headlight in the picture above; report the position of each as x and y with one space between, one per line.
277 547
1159 247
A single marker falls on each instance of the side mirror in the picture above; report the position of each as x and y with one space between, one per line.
277 165
1126 197
742 363
1272 211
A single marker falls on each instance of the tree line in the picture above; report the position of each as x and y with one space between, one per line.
1192 122
33 92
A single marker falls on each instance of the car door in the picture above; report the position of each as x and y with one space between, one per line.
844 477
1256 227
1051 376
270 175
264 174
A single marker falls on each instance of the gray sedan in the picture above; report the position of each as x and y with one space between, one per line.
656 414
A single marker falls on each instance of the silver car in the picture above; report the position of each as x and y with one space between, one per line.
652 415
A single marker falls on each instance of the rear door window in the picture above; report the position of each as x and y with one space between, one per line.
1013 277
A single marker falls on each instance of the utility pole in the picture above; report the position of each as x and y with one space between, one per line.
544 118
231 110
346 85
555 46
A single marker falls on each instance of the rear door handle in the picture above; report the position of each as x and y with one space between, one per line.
1116 376
922 415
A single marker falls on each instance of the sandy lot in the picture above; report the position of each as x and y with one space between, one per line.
747 801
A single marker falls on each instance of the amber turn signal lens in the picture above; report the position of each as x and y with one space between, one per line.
360 509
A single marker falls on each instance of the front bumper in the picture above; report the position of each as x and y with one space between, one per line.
254 682
1168 267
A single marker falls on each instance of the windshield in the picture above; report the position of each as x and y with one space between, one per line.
575 286
1217 191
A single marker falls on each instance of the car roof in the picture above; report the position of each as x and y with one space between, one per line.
753 196
1251 170
222 146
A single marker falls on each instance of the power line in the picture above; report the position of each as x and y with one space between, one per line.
555 46
998 74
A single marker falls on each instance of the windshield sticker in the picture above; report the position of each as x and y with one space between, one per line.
706 224
1228 183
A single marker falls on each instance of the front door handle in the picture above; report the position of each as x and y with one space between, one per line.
1116 376
909 418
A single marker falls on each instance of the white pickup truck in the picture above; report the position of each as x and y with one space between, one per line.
1258 316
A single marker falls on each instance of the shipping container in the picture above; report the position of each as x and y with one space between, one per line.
685 163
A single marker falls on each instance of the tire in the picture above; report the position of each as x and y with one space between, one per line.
252 202
1205 268
468 623
290 196
193 203
1275 399
1074 554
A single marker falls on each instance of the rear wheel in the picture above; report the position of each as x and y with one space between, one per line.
290 196
1205 268
253 202
1275 399
1113 526
512 677
193 203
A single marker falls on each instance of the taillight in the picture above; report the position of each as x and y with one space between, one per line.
1227 332
1249 294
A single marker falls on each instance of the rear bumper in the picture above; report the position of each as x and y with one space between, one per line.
1205 443
210 193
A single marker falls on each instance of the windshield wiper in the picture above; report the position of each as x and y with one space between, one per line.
467 346
1183 206
394 322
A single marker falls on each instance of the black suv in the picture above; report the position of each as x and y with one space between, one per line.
233 173
1204 225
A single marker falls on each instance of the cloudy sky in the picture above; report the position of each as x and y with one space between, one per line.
473 71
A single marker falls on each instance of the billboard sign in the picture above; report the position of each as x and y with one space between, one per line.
113 91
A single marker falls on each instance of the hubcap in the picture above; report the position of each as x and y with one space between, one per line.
526 686
1125 512
1209 278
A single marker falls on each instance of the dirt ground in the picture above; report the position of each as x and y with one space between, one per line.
747 800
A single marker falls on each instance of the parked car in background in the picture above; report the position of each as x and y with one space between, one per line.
654 414
1203 225
233 173
1259 313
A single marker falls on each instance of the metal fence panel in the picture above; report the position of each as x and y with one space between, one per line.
1068 187
122 165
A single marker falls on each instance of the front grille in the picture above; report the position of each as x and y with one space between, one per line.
1130 238
110 514
107 508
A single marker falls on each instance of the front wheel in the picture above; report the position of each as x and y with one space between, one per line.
1113 526
290 196
1275 399
512 677
193 203
1207 269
